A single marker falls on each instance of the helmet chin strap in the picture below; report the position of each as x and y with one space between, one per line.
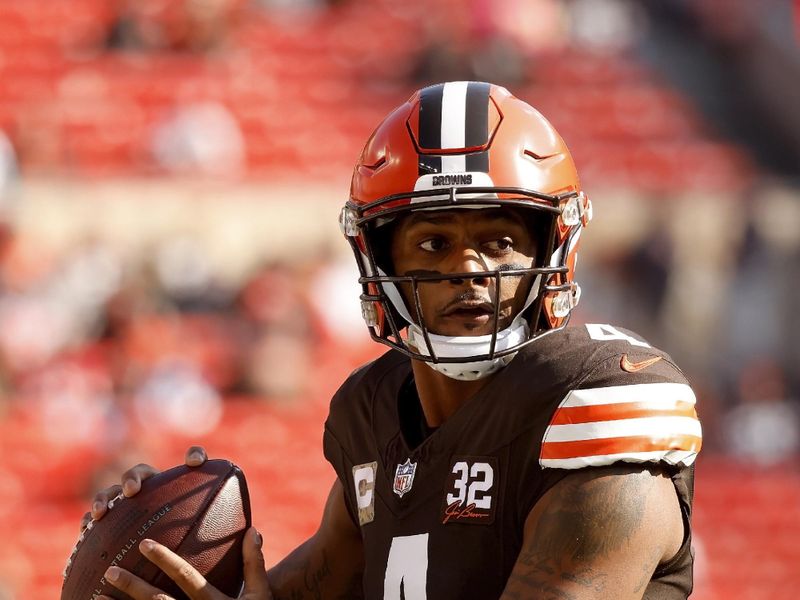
466 346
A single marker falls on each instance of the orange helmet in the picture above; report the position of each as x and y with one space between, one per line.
455 145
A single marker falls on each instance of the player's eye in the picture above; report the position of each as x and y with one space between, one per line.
435 244
500 245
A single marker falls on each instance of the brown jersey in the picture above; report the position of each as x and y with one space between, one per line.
442 517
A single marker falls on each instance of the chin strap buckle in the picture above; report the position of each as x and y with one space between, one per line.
369 312
565 300
576 210
347 222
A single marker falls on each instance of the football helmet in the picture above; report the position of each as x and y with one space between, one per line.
462 145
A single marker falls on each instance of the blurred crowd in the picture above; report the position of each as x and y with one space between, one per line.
86 329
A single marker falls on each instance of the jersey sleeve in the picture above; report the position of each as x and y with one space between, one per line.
334 453
634 407
344 419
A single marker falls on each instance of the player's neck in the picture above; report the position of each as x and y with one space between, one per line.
441 396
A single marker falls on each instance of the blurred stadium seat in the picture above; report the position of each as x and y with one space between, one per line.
609 99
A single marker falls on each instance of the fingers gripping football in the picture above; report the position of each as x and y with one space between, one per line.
195 456
100 504
132 478
256 586
132 586
131 484
181 572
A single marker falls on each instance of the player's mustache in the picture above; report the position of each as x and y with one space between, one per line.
472 296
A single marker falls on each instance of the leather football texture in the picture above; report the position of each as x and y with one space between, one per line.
201 513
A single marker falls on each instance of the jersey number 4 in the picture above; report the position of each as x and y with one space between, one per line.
407 565
407 568
609 332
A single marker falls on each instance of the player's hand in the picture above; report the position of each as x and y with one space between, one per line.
256 585
131 483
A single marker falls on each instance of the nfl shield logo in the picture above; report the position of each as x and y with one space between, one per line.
404 477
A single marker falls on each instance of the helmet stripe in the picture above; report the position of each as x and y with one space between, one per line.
454 163
429 164
430 117
477 115
478 161
454 115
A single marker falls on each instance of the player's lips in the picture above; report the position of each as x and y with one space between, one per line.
477 312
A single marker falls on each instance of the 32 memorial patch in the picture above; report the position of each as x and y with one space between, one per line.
471 491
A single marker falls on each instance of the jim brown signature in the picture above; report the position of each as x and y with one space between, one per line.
454 512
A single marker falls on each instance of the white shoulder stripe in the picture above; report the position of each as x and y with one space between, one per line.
654 427
640 392
672 457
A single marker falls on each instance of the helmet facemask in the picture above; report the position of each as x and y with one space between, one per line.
397 319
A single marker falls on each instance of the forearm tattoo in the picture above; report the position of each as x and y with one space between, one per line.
304 576
299 577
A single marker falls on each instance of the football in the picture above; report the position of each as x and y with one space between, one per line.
201 513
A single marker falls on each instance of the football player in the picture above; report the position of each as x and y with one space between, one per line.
492 452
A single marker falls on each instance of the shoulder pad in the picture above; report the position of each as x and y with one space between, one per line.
368 375
636 408
353 401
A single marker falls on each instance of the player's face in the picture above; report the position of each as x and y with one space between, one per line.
464 241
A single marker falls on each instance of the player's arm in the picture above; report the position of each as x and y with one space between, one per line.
329 565
598 534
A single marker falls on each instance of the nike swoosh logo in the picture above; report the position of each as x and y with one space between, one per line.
632 367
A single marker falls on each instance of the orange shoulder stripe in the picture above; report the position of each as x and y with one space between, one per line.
569 415
619 445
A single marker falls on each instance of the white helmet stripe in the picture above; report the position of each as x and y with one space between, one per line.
454 111
453 135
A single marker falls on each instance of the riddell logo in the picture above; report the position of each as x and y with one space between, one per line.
452 180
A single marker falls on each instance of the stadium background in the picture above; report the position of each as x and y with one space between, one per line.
171 271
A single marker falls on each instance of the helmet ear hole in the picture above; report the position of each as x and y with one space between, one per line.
399 320
380 238
542 226
380 244
543 229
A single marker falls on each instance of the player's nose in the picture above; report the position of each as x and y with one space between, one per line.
469 260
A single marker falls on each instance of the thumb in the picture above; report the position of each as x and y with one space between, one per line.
256 584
